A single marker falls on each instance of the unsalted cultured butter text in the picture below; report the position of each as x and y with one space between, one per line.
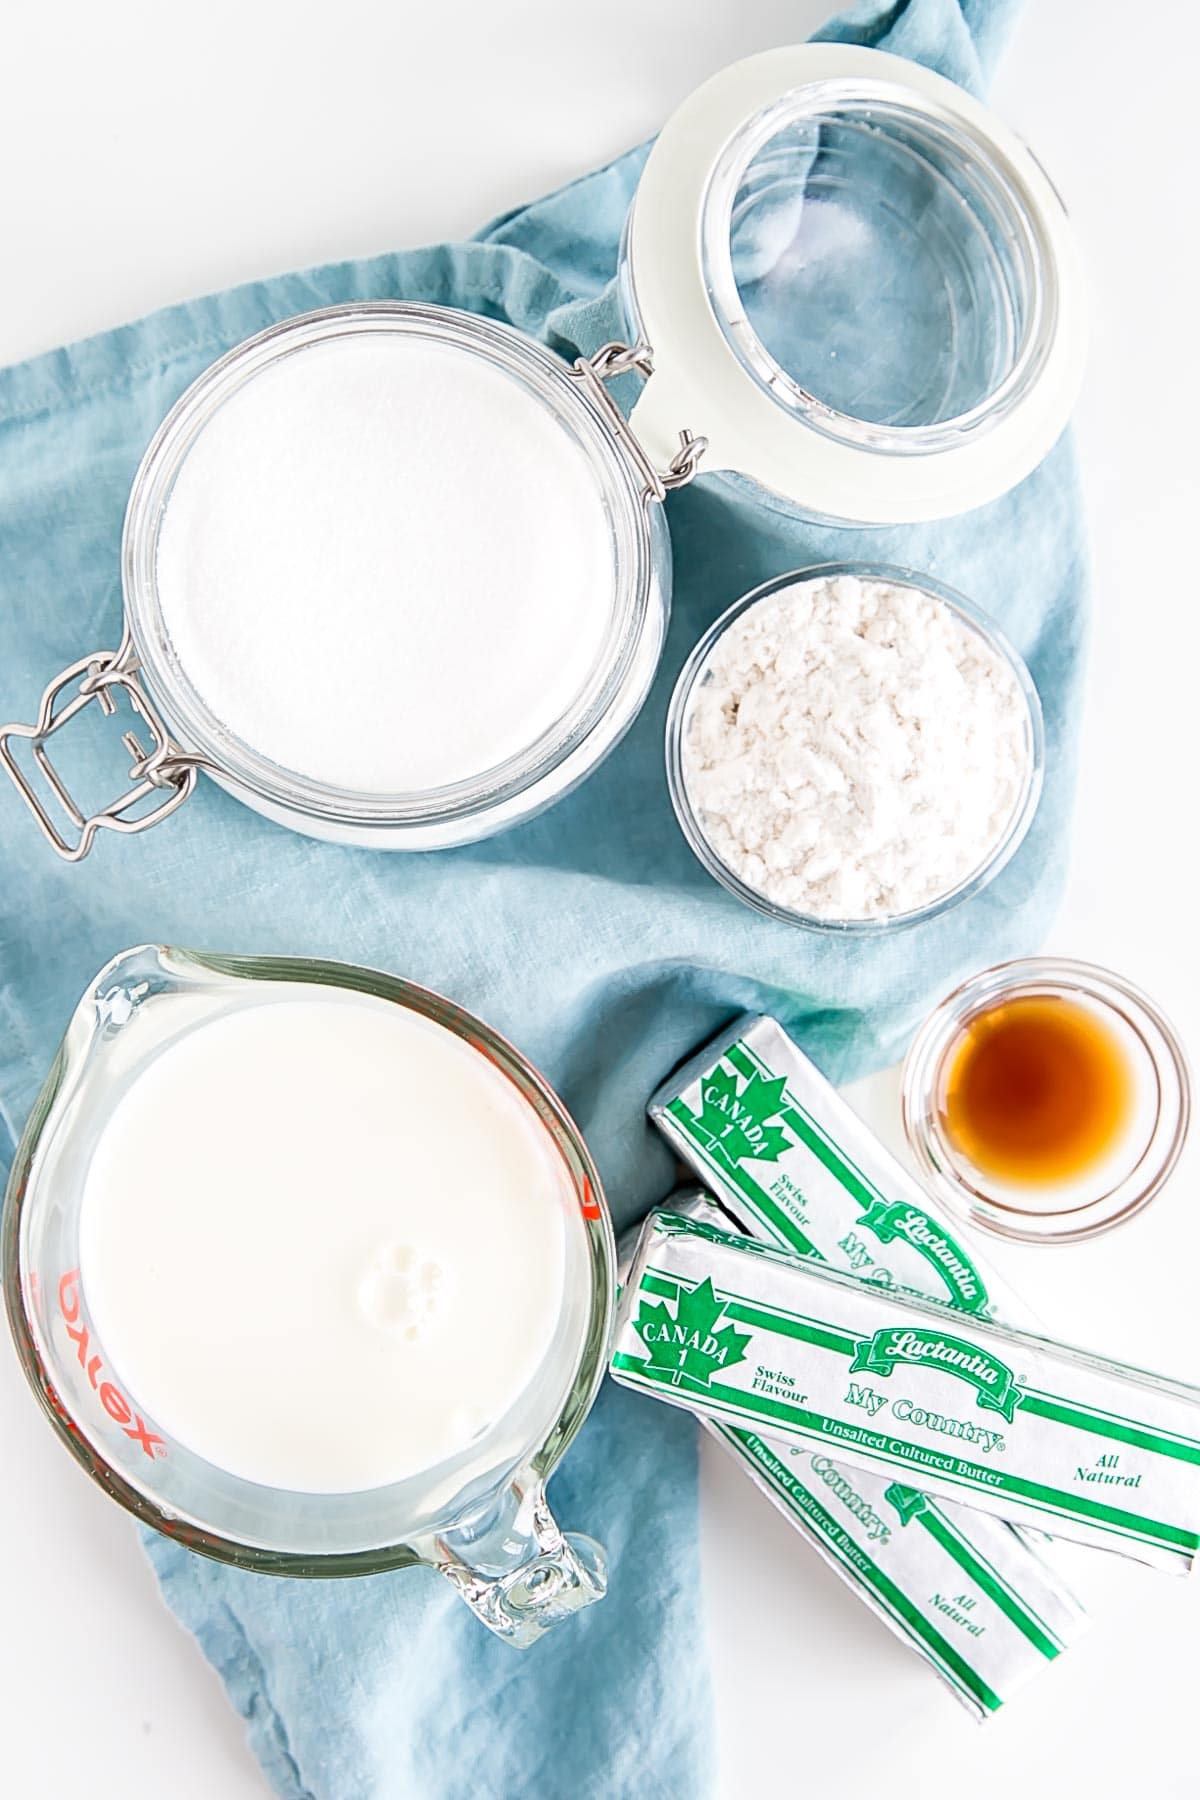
962 1590
1030 1430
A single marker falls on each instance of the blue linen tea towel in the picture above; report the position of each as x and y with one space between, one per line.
589 935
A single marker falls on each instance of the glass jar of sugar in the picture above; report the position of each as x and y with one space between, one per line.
399 576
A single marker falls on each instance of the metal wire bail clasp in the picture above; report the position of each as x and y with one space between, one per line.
165 768
610 361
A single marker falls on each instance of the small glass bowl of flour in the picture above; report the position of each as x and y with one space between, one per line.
851 748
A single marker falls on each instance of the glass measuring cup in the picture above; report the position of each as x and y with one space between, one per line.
481 1517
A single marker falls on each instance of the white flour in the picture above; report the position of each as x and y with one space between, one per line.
385 566
853 749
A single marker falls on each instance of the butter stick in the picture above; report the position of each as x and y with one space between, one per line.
1011 1424
960 1589
794 1164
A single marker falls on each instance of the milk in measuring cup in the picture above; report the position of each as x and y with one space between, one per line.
324 1241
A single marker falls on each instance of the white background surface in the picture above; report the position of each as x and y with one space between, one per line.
150 152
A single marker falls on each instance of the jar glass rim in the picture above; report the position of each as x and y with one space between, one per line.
964 1189
236 763
996 185
1001 852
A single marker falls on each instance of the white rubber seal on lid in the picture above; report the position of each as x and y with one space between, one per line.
764 424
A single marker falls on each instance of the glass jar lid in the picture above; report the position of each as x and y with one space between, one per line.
858 284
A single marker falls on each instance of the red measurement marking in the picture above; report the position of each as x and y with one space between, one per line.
109 1395
60 1409
591 1206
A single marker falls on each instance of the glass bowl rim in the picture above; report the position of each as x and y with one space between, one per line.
936 1036
1001 852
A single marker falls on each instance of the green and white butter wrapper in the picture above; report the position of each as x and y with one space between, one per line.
961 1589
795 1165
1006 1422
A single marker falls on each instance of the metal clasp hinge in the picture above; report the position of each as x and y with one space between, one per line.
610 361
164 769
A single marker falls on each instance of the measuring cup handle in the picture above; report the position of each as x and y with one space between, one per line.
517 1571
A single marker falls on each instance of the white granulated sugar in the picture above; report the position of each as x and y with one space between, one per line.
384 565
853 748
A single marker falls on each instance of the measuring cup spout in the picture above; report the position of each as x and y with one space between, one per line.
517 1571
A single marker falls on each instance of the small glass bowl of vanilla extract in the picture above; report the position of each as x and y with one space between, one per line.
1046 1100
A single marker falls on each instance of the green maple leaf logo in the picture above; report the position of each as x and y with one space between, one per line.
686 1344
738 1124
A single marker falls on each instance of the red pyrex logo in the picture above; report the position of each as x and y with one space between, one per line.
111 1398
